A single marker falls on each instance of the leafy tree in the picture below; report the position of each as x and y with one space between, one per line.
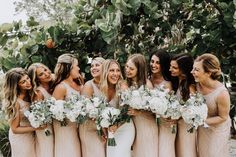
117 28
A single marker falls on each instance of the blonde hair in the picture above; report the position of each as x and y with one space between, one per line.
32 69
210 63
11 91
99 59
104 76
140 63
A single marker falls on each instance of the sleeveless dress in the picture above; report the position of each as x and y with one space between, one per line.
146 139
22 145
166 138
124 137
91 144
67 142
213 141
185 141
44 144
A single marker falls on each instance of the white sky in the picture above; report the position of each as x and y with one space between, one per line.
7 12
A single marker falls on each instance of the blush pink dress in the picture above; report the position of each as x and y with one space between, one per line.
22 145
166 137
44 144
91 144
146 138
185 141
67 142
213 141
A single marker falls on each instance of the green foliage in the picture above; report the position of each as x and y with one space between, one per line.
118 28
5 147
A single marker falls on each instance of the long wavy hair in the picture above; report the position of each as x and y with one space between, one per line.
104 84
33 76
185 64
11 91
164 58
63 67
140 63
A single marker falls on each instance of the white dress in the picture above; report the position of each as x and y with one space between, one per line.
124 137
44 144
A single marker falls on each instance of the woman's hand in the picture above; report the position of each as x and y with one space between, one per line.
113 128
104 135
133 112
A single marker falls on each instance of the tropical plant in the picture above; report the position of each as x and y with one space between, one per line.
117 28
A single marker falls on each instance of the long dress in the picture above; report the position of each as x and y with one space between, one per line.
44 144
213 141
124 137
22 145
91 144
67 142
166 137
146 139
185 142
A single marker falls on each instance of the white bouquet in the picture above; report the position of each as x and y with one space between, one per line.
40 114
135 98
194 111
158 102
58 111
173 107
107 118
75 109
94 106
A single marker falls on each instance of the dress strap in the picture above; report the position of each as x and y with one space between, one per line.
45 93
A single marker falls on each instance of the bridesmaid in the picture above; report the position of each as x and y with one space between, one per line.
67 82
184 85
146 139
160 76
41 79
91 144
124 133
16 101
212 141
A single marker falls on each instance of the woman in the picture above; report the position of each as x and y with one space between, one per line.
184 85
146 139
16 101
123 133
212 141
91 144
67 83
41 79
160 76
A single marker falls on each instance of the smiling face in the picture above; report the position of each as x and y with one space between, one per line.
155 64
43 74
198 72
24 83
96 68
114 74
174 69
130 70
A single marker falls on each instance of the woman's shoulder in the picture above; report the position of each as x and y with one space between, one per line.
149 84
